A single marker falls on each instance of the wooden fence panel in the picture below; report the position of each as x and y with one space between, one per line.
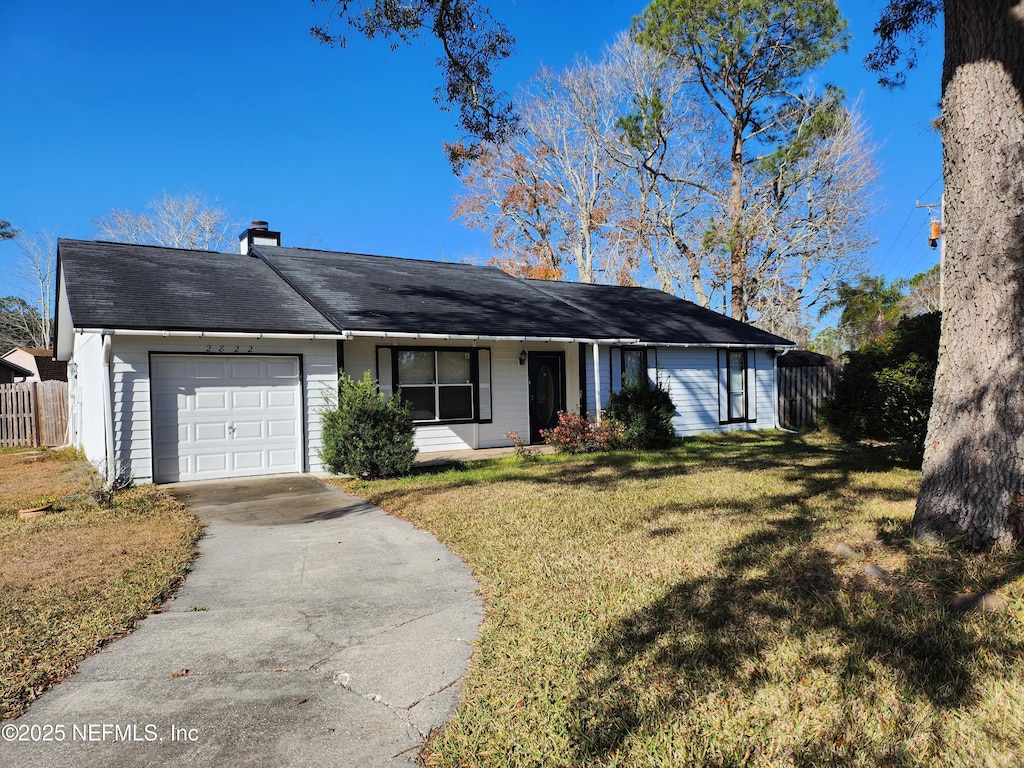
33 413
801 391
51 412
17 415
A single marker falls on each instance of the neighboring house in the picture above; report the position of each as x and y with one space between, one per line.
11 373
189 365
39 363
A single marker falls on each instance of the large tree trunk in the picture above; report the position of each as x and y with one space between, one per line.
973 478
737 238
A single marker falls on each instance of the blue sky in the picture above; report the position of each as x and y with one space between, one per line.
106 104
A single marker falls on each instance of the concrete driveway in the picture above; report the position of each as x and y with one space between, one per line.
313 630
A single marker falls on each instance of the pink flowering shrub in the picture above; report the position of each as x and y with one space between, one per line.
521 451
576 434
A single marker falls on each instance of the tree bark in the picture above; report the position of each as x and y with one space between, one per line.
972 485
737 238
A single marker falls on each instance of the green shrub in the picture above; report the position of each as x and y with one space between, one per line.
646 412
368 434
884 390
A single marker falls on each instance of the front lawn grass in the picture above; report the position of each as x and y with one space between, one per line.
74 579
689 608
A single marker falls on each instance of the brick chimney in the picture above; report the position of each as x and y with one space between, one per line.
257 234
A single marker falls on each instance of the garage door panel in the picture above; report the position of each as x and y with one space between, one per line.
211 462
247 398
207 432
246 369
225 417
246 460
169 466
282 459
281 428
281 399
282 369
250 430
173 436
214 399
209 369
171 368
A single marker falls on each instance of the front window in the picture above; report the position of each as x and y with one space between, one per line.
438 384
737 377
634 367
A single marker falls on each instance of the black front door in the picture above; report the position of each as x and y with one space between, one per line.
547 391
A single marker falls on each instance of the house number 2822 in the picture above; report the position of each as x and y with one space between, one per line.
227 348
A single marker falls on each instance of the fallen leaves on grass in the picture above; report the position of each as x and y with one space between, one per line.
71 582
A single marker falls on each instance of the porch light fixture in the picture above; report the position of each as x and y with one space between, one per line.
522 357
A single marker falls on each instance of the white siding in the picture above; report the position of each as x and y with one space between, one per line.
510 405
691 376
131 390
85 393
604 378
510 397
767 397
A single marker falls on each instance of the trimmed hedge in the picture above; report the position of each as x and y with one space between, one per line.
368 434
645 411
884 390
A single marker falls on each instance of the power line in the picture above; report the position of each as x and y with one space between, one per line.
896 240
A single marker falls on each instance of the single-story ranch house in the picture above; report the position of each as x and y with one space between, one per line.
190 365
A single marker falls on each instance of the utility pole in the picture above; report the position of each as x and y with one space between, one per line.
935 235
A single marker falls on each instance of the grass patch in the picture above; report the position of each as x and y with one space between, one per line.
32 478
686 608
73 581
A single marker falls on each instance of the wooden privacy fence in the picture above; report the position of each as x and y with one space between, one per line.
33 413
801 391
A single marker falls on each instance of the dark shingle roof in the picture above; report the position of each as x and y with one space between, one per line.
142 287
655 316
50 369
297 290
379 293
15 369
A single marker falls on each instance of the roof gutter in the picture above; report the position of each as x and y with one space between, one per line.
344 335
483 337
715 345
216 334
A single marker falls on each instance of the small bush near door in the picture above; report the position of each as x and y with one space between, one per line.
646 412
369 434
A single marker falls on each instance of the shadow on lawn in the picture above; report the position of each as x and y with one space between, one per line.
719 632
738 450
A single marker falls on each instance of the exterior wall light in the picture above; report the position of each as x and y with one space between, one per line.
522 357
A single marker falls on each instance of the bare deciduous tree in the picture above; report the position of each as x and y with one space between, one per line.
808 217
669 173
174 221
545 194
924 293
38 272
20 324
643 191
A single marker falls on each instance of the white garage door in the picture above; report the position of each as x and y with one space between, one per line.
225 416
